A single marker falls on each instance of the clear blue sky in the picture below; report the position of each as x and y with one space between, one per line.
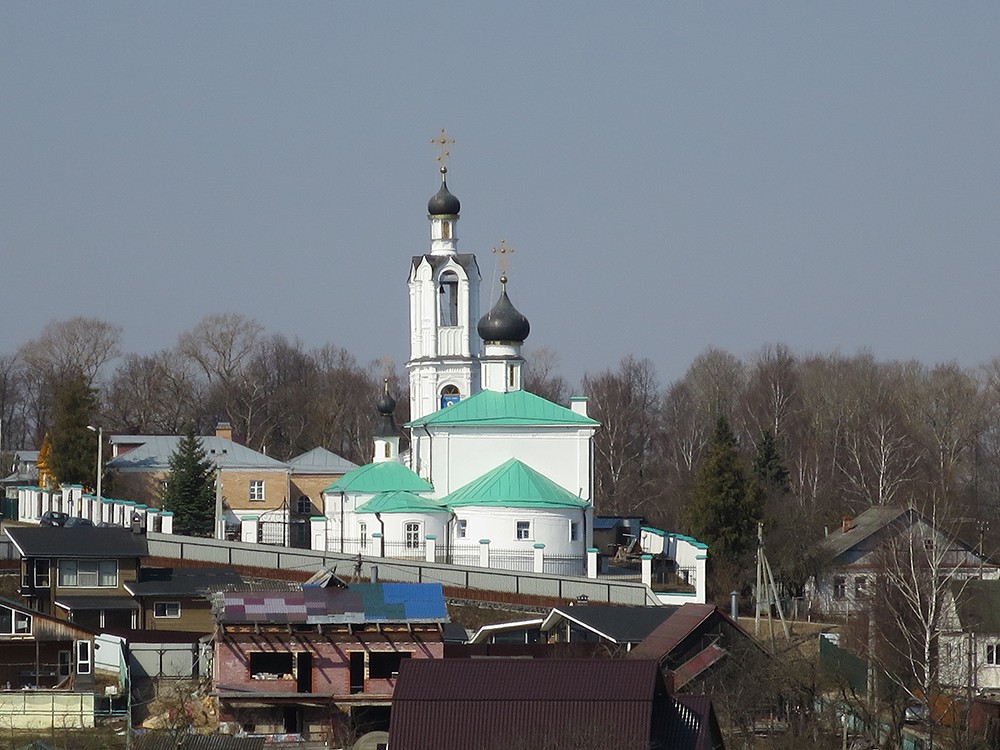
674 176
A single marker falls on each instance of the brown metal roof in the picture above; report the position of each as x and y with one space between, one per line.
470 703
674 629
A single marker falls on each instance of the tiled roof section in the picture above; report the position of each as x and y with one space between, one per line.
977 603
872 520
167 741
183 581
381 477
674 629
401 502
464 703
77 542
155 451
618 624
513 408
514 484
321 461
373 602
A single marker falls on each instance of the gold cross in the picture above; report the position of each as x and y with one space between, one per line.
442 142
503 251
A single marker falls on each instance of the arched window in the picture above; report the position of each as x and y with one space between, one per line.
450 395
448 294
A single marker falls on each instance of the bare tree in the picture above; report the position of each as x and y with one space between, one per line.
79 344
541 378
627 404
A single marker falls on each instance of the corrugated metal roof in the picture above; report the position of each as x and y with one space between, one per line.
89 542
697 664
616 623
514 484
381 477
167 741
681 623
400 502
466 703
513 408
321 461
155 452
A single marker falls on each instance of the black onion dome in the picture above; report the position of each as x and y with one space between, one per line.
503 322
386 406
443 202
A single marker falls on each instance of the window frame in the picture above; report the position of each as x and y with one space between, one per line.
993 654
840 587
104 574
166 609
304 501
42 580
461 528
411 535
574 531
253 495
522 531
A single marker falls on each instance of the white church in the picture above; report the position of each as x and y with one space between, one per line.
494 475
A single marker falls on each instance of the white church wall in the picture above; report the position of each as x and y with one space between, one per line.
457 457
552 527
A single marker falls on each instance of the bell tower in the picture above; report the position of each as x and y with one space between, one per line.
444 309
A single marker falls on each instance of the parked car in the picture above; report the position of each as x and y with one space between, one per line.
75 521
53 518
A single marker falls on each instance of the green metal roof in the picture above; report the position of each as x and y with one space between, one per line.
514 485
381 477
400 502
514 408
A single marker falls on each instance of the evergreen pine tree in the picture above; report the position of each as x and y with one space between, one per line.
73 459
768 467
723 510
190 487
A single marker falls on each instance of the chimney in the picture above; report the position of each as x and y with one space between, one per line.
579 405
224 430
846 524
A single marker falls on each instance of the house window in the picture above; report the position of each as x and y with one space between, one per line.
88 573
266 665
42 578
928 545
411 535
839 587
388 450
522 529
83 657
304 505
13 622
385 664
574 531
256 490
461 528
170 610
859 587
993 653
363 529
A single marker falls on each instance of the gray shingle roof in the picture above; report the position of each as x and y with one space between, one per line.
321 461
617 623
155 452
183 581
77 542
872 520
